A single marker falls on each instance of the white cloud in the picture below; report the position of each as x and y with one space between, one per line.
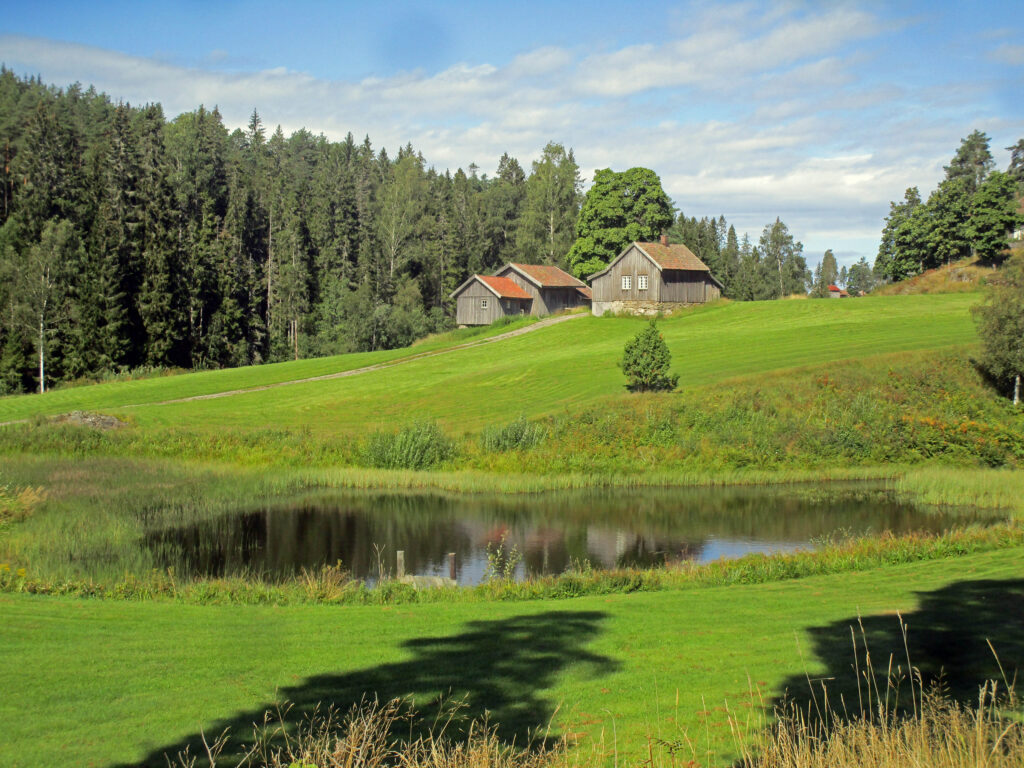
743 111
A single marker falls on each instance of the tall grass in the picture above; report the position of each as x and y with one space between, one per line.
421 445
372 735
984 489
885 730
332 585
518 435
895 720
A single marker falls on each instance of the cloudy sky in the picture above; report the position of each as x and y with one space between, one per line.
819 113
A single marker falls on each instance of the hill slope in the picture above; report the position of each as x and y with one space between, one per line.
548 371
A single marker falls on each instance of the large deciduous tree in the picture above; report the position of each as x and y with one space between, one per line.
1000 320
619 208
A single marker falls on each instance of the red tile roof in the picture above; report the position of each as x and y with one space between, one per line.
833 288
674 256
503 287
547 276
586 293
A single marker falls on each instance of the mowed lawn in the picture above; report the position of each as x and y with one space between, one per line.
546 371
101 683
178 385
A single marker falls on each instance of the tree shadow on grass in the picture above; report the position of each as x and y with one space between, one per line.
948 639
499 668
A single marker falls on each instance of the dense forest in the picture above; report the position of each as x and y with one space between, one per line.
970 213
129 241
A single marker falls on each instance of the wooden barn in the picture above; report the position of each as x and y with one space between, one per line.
551 289
484 298
517 289
647 278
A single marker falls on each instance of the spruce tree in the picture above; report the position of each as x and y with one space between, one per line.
646 361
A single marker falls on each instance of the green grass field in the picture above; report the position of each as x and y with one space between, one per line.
769 392
111 683
565 366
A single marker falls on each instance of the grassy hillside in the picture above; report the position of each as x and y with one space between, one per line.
544 372
965 276
178 385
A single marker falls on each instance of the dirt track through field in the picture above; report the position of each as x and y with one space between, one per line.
354 372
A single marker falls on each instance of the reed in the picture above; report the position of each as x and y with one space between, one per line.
372 734
331 585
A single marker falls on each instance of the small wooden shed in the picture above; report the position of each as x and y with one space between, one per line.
484 298
552 289
835 292
647 278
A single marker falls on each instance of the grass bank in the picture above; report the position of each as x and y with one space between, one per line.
846 418
611 670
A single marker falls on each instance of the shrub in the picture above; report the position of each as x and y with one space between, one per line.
421 445
646 361
517 435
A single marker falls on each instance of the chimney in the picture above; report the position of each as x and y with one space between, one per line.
664 239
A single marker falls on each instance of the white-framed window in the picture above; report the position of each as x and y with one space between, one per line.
641 282
627 282
483 303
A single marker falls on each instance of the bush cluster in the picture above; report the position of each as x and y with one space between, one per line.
518 435
421 445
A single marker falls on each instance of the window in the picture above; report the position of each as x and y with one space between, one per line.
483 303
627 282
641 282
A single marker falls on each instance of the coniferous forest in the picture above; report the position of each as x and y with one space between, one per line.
131 242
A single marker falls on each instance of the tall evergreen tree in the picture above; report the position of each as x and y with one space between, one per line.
972 161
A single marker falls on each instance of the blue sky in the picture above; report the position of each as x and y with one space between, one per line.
819 113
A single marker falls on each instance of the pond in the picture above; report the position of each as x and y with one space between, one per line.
546 532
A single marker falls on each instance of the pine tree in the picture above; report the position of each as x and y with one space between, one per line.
972 161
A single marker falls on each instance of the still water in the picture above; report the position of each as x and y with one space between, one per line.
550 531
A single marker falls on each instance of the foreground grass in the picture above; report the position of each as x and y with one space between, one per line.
610 670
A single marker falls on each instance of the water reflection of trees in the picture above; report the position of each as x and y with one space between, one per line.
551 530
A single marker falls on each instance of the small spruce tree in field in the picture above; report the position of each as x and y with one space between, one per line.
646 361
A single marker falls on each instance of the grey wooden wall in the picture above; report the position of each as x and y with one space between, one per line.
608 287
469 309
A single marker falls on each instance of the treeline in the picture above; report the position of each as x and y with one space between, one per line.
773 268
971 213
127 240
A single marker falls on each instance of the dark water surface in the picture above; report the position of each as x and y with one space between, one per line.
550 531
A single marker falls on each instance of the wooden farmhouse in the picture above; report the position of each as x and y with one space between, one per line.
835 292
647 278
517 289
